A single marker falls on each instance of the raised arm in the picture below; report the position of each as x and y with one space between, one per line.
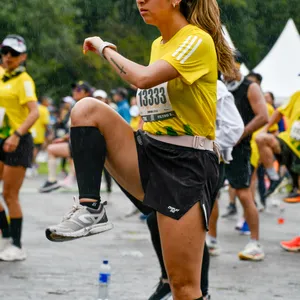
141 76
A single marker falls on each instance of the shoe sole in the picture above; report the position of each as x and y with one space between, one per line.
289 249
251 258
85 232
291 201
16 259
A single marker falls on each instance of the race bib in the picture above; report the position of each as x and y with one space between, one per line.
295 131
2 115
154 103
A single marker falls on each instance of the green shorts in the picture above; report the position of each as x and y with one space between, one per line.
288 157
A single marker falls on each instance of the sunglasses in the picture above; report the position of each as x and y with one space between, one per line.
77 89
13 53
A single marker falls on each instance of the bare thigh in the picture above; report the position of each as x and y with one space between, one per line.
12 181
59 150
122 158
183 244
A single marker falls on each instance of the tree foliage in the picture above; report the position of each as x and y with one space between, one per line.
55 30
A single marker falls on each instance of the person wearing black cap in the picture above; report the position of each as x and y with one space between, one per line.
60 147
18 112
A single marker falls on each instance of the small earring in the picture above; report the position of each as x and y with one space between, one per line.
174 5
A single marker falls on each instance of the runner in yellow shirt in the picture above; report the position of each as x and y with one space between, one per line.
286 146
18 112
171 166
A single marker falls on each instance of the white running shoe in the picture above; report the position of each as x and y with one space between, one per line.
213 246
4 242
68 182
81 221
12 253
253 252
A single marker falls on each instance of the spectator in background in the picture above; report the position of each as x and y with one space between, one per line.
2 71
61 146
39 131
120 96
255 77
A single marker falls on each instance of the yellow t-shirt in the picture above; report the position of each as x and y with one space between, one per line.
39 128
14 94
2 71
292 111
254 160
187 104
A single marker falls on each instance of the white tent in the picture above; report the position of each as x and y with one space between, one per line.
244 70
281 67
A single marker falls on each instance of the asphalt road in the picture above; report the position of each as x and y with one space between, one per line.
69 270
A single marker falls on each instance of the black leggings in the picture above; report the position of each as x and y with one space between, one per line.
153 227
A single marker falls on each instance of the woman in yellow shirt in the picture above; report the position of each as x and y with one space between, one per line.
171 166
18 112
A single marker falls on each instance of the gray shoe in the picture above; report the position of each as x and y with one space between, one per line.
81 221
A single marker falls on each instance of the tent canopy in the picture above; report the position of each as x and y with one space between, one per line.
281 67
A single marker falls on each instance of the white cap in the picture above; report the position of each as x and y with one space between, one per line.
68 99
15 43
100 93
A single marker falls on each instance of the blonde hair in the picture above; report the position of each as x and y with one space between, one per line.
205 14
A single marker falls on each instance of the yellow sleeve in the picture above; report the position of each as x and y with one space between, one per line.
287 109
27 90
193 58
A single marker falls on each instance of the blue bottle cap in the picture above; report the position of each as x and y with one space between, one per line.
105 262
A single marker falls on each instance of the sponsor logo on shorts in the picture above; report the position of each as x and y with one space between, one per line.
173 210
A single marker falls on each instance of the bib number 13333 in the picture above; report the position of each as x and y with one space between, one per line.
154 103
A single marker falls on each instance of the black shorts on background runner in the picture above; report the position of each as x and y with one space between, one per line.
239 172
175 178
23 155
288 158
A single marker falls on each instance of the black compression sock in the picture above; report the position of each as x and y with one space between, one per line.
201 298
89 152
16 231
4 226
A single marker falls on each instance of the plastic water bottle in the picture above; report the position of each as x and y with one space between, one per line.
104 280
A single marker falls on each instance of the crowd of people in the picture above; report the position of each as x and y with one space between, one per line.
195 123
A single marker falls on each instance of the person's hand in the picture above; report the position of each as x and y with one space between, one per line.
92 44
58 140
11 143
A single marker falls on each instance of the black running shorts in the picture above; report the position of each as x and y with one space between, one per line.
175 178
239 172
23 155
288 158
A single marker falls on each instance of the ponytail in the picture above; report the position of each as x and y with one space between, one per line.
205 14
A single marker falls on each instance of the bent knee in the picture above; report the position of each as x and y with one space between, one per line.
263 138
85 111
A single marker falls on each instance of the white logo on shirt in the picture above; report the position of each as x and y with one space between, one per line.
8 86
185 50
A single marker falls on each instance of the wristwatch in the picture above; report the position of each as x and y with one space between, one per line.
104 45
17 133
